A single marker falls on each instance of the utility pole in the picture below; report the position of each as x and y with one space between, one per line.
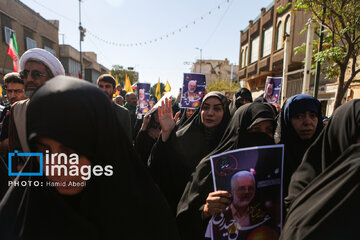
308 56
231 75
285 69
318 64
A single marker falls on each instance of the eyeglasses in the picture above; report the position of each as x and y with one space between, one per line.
35 74
17 91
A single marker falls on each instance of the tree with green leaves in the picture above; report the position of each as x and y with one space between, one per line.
120 72
222 85
341 20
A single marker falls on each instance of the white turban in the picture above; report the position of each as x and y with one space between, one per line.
45 57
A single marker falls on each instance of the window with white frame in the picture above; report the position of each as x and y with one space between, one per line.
279 35
52 51
287 25
254 50
246 56
267 42
242 58
7 33
30 43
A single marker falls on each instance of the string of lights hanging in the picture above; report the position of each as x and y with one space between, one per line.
162 37
147 42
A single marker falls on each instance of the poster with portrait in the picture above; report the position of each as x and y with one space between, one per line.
193 90
143 94
273 89
253 176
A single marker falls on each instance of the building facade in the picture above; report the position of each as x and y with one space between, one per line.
262 52
31 30
216 69
70 58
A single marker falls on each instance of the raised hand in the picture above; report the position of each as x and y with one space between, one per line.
145 122
166 119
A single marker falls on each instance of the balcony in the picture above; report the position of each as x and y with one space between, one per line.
264 64
252 69
278 56
242 73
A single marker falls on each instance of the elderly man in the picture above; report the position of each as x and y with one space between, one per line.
243 192
14 87
106 83
191 95
237 215
119 100
36 67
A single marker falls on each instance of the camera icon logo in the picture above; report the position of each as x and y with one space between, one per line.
16 153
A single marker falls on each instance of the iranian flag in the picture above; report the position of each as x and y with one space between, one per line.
13 51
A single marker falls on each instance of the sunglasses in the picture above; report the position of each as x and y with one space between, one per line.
35 74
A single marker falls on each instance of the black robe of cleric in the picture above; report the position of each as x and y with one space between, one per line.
295 146
324 192
189 217
122 203
172 162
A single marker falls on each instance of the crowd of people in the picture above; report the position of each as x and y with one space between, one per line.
151 176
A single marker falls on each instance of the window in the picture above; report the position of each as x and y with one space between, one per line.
267 42
287 25
74 67
254 50
279 36
7 34
246 56
52 51
30 43
242 59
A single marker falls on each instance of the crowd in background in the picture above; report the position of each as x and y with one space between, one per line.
162 186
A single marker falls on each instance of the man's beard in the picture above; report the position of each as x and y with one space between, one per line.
30 88
29 92
12 100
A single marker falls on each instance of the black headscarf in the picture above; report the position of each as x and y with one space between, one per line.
325 190
294 147
190 223
172 162
126 205
243 93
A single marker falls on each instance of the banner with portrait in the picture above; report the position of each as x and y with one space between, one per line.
193 90
273 89
253 176
143 94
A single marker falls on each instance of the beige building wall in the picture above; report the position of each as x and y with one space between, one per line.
215 69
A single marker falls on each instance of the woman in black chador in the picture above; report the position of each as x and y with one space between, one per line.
179 150
70 116
147 136
299 124
324 192
251 125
